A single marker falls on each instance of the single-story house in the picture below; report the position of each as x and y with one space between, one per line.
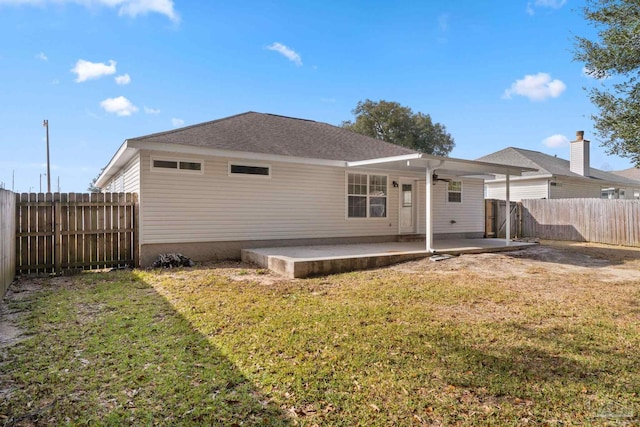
257 180
556 178
631 173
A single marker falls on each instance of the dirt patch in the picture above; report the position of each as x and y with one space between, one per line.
606 263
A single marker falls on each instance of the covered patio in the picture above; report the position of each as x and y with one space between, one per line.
307 261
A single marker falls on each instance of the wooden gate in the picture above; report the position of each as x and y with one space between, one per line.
75 231
496 218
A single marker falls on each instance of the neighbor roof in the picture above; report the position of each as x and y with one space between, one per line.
273 134
631 173
548 165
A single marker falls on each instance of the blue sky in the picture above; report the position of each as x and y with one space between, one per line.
496 73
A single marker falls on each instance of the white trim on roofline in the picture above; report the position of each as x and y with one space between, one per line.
205 151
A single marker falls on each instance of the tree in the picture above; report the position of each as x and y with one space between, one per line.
391 122
92 186
614 59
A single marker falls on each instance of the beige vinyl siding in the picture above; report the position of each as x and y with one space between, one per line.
519 189
127 180
468 215
131 175
296 201
568 189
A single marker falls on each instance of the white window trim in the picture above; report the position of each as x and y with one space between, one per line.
368 196
178 160
248 175
461 192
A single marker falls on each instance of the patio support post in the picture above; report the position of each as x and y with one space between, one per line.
508 213
428 213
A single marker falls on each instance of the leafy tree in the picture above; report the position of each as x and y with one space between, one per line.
614 58
392 122
92 186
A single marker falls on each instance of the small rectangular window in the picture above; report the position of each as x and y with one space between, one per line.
250 170
177 165
192 166
454 192
165 164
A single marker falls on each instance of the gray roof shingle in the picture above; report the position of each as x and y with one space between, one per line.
547 164
272 134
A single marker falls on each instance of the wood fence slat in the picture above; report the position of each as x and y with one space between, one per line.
122 221
108 225
100 258
63 226
86 225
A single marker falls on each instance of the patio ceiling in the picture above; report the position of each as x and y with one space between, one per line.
418 163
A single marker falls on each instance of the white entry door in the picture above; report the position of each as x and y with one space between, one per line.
407 206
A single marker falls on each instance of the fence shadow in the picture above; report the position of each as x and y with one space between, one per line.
577 254
117 352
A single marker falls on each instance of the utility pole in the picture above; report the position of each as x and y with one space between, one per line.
45 123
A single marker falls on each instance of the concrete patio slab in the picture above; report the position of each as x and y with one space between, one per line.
307 261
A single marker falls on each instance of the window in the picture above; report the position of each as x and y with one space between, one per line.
454 192
249 169
407 195
176 165
366 196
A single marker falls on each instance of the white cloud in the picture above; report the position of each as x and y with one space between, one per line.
177 122
551 4
124 79
555 141
131 8
536 87
290 54
85 70
120 106
149 110
41 55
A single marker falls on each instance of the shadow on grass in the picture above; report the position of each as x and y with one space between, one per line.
105 348
569 362
577 253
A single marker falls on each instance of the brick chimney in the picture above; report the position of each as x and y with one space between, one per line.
579 158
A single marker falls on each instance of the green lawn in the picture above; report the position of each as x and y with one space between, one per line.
237 346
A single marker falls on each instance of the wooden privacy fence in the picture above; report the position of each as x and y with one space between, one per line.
7 239
58 231
615 222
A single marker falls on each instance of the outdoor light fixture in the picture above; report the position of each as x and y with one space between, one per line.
395 184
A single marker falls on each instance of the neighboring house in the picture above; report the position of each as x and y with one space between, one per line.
557 178
256 180
631 173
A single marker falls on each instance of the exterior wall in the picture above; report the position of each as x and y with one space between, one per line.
127 180
568 189
468 215
520 189
296 202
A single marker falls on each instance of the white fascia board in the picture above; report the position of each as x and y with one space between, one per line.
520 178
384 160
204 151
119 159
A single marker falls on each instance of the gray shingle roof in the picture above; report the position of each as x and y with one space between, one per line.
631 173
272 134
548 165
